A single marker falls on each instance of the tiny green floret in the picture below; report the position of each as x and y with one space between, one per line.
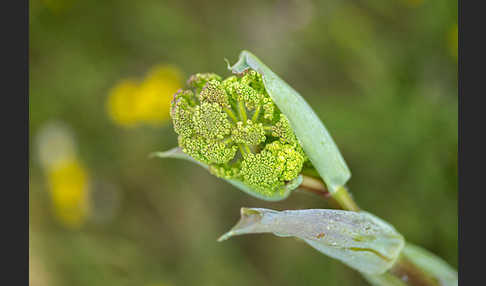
211 121
233 126
197 81
249 133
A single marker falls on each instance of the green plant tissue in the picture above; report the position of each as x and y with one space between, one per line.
309 129
358 239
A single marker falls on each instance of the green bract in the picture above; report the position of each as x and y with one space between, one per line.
234 128
300 119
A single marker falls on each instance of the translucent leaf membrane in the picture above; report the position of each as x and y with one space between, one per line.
177 153
358 239
310 131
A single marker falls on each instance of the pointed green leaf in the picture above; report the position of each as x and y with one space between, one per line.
310 131
358 239
277 196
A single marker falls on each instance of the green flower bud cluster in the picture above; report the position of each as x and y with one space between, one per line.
233 126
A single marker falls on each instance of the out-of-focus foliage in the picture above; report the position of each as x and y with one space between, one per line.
380 74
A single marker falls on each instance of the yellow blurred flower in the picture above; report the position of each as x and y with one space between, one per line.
452 39
67 179
131 103
121 101
68 187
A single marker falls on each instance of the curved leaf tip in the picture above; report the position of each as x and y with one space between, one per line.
358 239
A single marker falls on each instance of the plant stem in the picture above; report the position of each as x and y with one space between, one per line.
341 198
231 114
316 186
410 274
242 111
244 149
254 118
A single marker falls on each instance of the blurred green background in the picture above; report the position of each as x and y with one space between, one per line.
380 74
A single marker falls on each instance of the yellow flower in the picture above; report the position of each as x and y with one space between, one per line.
131 103
121 101
67 180
68 188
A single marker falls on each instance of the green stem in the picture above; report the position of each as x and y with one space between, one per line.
317 187
242 111
247 148
411 274
255 114
244 149
343 197
231 114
